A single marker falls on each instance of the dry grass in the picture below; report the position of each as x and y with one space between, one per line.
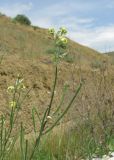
91 117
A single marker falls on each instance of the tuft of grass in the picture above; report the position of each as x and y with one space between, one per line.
69 58
96 64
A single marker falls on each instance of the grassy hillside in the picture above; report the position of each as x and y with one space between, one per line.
29 52
29 42
111 56
88 126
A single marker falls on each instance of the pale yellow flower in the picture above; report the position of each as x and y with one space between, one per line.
63 30
64 40
21 86
10 89
52 31
13 104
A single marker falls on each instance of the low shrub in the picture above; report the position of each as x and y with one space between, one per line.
22 19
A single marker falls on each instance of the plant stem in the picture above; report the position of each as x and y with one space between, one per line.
55 82
69 105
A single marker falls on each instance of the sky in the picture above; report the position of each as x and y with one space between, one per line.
89 22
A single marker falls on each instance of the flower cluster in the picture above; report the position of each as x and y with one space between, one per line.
59 36
18 86
15 91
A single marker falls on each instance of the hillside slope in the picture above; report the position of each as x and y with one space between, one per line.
29 42
110 53
111 56
27 52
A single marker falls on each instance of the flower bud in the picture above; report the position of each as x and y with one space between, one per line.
63 30
49 118
52 31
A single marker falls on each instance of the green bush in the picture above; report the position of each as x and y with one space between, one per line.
22 19
69 58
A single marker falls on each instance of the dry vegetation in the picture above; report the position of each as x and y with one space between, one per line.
89 124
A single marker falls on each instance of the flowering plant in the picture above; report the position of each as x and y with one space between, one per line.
60 42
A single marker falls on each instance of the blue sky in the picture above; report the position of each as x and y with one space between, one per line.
89 22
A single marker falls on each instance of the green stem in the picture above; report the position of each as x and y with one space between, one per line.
52 96
26 150
61 102
40 134
69 105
